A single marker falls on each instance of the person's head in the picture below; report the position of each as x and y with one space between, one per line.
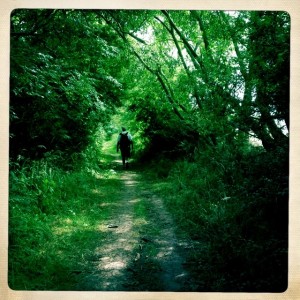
123 129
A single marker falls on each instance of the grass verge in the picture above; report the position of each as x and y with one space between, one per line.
235 215
54 219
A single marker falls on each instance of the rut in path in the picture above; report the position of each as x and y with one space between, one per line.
137 254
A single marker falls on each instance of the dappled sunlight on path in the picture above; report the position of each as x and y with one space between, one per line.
139 248
170 261
116 250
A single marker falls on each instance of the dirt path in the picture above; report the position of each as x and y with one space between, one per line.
140 251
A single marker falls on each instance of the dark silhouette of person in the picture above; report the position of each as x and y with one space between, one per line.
125 144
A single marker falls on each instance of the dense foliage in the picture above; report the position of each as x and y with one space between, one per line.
63 85
206 95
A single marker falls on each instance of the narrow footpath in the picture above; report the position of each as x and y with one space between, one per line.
140 251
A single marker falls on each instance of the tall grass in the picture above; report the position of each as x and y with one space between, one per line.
234 204
54 218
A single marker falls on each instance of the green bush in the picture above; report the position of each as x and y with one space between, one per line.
53 219
236 204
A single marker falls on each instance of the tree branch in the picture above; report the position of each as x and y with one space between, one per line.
197 16
195 58
235 44
136 38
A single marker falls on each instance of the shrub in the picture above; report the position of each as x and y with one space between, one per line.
50 210
236 204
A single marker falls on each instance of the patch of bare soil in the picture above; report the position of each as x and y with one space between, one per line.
140 251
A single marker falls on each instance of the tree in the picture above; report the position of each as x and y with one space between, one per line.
264 66
193 87
220 75
213 68
63 80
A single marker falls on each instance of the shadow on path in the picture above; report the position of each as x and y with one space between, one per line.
139 250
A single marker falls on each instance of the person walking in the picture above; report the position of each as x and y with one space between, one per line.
125 144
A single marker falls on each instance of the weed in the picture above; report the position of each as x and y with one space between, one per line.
235 207
54 219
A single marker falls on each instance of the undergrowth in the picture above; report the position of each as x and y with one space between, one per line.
54 218
234 205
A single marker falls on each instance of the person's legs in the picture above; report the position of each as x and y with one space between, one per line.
123 157
127 155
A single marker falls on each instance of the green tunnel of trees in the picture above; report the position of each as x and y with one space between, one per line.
208 90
